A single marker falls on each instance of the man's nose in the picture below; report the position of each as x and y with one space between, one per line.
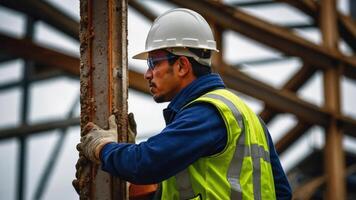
148 74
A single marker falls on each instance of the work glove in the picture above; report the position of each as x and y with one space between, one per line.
94 140
82 175
132 128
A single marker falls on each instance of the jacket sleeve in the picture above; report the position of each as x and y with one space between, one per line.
281 184
190 136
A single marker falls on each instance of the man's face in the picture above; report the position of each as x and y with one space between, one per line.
162 78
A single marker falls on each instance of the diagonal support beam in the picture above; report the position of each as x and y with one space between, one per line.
269 34
142 10
297 81
346 26
292 136
284 101
281 101
308 189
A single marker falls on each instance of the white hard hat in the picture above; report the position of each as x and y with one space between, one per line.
177 29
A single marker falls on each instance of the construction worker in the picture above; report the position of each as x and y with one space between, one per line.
213 146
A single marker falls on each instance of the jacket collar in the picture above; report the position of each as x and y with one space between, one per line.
195 89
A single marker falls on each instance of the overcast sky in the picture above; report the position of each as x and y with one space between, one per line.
51 100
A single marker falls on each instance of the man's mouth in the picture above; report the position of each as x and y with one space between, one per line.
151 86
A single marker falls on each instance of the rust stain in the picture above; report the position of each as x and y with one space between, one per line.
109 53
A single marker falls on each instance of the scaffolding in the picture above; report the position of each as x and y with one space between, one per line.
43 63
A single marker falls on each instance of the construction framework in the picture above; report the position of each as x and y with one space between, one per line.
42 63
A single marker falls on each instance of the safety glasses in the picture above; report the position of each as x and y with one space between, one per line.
153 61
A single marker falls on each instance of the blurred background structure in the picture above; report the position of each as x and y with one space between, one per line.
293 61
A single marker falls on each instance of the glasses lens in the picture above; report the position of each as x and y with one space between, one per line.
152 62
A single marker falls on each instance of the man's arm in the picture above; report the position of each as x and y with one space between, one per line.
192 135
281 184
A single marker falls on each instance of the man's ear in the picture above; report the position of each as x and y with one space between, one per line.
185 66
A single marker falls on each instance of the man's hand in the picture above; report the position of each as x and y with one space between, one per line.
94 140
132 128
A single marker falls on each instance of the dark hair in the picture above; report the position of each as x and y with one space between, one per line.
198 69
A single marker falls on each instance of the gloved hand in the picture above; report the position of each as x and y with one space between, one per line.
93 141
132 128
82 176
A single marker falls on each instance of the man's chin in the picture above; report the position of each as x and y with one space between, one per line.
159 99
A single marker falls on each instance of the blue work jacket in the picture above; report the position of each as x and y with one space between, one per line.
190 134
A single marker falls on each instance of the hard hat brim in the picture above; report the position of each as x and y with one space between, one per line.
141 56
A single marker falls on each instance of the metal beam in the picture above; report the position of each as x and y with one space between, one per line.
292 136
22 153
136 80
346 26
260 61
269 34
308 189
348 125
293 84
26 130
70 64
5 58
352 5
44 11
26 49
142 10
299 25
103 85
46 173
296 82
334 158
36 77
282 101
253 3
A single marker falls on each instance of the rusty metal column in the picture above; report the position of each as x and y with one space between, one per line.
334 159
103 82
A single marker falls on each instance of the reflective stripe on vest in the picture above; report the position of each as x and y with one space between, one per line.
184 184
254 151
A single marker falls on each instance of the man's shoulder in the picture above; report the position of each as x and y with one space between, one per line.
199 110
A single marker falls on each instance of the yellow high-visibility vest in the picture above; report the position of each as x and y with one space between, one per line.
241 171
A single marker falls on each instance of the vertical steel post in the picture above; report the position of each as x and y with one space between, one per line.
352 6
21 181
334 159
103 82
